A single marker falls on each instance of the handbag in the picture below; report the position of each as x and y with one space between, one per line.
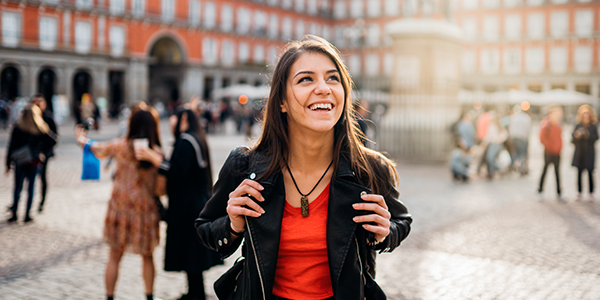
90 165
22 156
226 286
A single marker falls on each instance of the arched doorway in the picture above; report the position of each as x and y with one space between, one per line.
46 85
166 71
9 82
82 82
116 81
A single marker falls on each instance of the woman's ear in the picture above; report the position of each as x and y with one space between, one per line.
283 106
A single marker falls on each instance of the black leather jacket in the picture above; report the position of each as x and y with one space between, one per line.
351 260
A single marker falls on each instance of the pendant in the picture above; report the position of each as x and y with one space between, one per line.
304 206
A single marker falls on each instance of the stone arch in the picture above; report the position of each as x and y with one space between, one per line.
47 83
168 35
166 69
82 83
17 69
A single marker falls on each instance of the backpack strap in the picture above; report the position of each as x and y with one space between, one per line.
188 137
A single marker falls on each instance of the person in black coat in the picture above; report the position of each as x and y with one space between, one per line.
584 138
39 100
30 134
189 186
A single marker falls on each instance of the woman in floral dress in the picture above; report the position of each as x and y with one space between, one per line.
132 218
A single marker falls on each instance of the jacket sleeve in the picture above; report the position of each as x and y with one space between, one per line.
593 133
401 219
545 129
212 224
12 145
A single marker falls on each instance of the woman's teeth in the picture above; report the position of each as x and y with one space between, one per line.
326 106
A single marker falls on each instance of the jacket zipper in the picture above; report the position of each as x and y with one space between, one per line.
262 286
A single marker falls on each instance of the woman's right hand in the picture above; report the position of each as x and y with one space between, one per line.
240 204
147 154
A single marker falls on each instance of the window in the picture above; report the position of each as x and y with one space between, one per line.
83 37
534 60
272 55
243 20
339 9
469 25
272 2
101 32
168 10
512 60
392 7
373 35
372 65
244 52
273 26
286 4
227 53
373 8
11 29
584 22
51 1
194 17
559 23
356 9
354 64
299 29
490 28
468 62
558 60
535 25
299 7
469 4
138 8
312 7
85 4
313 29
209 51
490 61
117 40
512 3
259 54
512 27
339 36
48 33
286 31
388 64
582 58
226 18
66 27
326 34
560 1
117 7
260 22
535 2
210 15
491 3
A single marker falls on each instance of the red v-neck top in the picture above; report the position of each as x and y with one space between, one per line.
302 265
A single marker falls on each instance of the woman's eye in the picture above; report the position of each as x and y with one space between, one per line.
334 77
304 79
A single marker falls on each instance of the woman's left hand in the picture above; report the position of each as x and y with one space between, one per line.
379 219
150 155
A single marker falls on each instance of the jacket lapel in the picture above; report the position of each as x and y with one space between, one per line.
340 226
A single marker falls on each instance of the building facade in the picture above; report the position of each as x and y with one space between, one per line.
157 50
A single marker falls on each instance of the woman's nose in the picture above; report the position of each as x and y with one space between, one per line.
322 88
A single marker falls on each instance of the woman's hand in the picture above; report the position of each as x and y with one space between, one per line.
379 219
151 155
80 135
240 204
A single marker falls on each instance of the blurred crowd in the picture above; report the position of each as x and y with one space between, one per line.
491 143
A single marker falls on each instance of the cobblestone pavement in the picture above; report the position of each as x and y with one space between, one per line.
480 240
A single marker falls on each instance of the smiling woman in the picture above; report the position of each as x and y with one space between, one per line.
308 198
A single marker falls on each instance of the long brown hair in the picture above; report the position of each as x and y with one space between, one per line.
142 124
31 120
274 140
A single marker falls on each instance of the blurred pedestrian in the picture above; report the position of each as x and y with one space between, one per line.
460 161
189 186
4 111
519 129
495 137
551 138
40 101
30 139
300 244
465 131
585 136
132 217
482 124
